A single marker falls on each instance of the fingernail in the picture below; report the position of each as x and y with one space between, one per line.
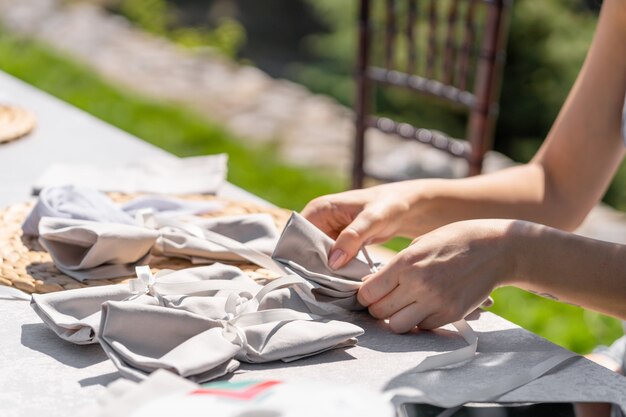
365 278
337 258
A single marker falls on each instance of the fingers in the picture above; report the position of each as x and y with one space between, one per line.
320 212
376 287
407 318
391 303
358 233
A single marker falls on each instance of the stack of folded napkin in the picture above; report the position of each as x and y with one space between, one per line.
197 322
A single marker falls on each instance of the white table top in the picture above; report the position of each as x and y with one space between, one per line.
41 374
65 134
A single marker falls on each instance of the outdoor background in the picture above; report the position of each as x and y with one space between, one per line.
312 42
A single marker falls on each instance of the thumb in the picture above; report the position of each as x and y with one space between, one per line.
352 238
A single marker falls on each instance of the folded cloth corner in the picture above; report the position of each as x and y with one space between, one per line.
303 250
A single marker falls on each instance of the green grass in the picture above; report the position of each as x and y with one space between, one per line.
183 133
167 126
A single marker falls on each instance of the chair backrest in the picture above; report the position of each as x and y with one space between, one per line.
452 50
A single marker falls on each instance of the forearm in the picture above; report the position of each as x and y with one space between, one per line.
569 268
515 193
575 164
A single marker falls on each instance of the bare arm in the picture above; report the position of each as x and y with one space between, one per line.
571 268
582 152
558 187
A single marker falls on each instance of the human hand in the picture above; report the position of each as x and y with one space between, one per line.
362 217
442 276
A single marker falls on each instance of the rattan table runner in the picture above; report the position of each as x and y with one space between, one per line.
25 265
15 122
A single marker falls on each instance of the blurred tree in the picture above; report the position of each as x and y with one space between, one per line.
547 45
163 18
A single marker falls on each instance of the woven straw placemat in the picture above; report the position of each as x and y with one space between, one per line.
15 122
25 265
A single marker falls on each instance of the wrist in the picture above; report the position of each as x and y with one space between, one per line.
523 245
423 212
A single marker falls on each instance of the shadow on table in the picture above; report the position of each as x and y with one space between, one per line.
104 379
379 337
331 356
500 354
38 337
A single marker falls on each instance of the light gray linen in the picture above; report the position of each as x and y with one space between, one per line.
86 250
141 338
83 203
303 250
256 231
94 250
169 207
72 202
74 315
161 175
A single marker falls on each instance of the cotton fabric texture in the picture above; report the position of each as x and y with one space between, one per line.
87 250
140 339
83 203
200 334
74 315
303 250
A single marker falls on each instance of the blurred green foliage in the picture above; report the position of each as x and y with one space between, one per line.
168 126
547 44
160 17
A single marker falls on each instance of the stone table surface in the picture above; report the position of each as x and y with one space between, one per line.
41 374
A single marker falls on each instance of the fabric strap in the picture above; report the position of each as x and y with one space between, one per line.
456 356
252 255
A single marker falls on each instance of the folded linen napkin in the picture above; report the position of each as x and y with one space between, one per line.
86 250
74 315
91 250
142 338
73 202
163 175
192 239
168 206
303 250
83 203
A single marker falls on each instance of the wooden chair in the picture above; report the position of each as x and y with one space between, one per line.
458 58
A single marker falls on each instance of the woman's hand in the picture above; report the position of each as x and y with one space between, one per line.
443 275
362 217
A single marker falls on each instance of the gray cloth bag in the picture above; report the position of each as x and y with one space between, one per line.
86 250
83 203
90 250
191 239
74 315
303 250
72 202
140 339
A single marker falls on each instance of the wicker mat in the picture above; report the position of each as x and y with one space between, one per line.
25 265
15 122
